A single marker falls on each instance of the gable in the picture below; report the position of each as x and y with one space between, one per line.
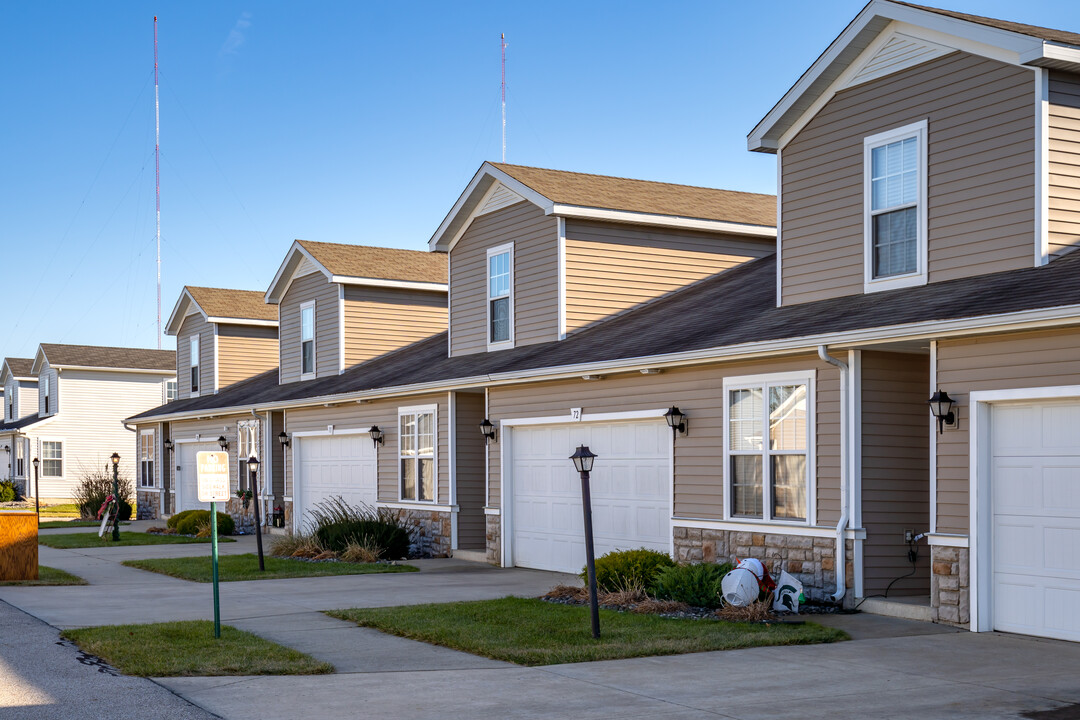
499 197
898 52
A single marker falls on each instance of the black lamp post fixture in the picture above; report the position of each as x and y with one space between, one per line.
223 443
167 443
377 436
283 438
487 429
677 421
37 506
253 466
115 457
941 406
583 463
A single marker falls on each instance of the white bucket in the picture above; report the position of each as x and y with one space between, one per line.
740 587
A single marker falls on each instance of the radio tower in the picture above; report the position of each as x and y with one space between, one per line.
502 49
157 181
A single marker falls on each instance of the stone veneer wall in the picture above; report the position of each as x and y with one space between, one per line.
147 505
494 547
950 596
811 560
433 535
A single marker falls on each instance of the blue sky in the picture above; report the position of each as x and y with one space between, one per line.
350 122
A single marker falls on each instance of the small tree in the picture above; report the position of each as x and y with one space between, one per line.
94 487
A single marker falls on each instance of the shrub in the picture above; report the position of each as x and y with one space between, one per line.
193 520
697 585
335 524
175 519
628 569
92 490
8 491
357 553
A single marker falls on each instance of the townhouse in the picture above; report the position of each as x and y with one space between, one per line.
754 372
65 408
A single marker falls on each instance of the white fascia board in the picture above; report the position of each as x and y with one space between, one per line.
284 276
93 368
382 282
241 321
980 39
1049 54
180 312
1007 322
39 356
639 218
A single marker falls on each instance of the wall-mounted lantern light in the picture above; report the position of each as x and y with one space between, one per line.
941 405
223 443
676 420
168 444
377 437
488 431
283 438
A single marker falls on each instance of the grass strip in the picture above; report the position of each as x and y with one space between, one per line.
53 524
47 576
533 632
246 567
91 540
60 510
189 649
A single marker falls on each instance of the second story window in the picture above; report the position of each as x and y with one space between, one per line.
170 390
500 299
45 392
307 339
194 364
895 208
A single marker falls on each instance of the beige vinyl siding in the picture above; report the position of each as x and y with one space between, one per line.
699 455
313 286
1064 191
381 320
277 457
26 398
245 351
1016 360
90 424
536 267
895 468
54 391
384 413
469 473
981 181
611 268
194 324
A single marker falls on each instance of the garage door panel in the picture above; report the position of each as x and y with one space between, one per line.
188 480
336 466
1060 555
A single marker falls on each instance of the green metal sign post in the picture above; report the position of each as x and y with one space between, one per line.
213 487
213 562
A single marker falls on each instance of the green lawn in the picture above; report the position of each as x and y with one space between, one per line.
190 649
534 632
52 524
246 567
48 576
61 510
91 540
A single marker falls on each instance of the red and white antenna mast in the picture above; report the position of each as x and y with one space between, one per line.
502 50
157 181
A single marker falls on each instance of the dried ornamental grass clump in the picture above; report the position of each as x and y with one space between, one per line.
361 553
754 612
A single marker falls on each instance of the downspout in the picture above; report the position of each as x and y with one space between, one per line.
845 500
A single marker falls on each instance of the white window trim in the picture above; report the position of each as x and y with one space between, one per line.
140 460
195 341
809 378
919 277
243 426
314 348
47 404
63 458
499 250
417 410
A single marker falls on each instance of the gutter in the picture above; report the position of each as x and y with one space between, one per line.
845 495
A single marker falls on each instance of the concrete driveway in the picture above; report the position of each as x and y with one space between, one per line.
892 668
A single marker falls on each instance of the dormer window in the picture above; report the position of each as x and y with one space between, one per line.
895 208
500 299
194 364
45 392
307 340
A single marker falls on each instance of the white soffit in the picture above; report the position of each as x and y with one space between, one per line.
898 52
306 267
498 198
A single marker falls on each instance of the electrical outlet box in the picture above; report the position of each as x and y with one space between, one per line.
909 535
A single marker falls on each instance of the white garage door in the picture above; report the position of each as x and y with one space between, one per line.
187 481
630 483
1036 519
334 465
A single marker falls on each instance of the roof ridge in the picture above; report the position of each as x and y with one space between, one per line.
370 247
501 165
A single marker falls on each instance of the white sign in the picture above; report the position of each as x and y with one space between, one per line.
575 414
213 476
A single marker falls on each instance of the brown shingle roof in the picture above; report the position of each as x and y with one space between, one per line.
109 357
244 304
1049 34
645 196
364 261
20 367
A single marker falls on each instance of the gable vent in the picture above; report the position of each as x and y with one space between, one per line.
898 53
499 198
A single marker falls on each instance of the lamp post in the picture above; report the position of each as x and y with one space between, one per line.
37 500
583 462
253 466
116 495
